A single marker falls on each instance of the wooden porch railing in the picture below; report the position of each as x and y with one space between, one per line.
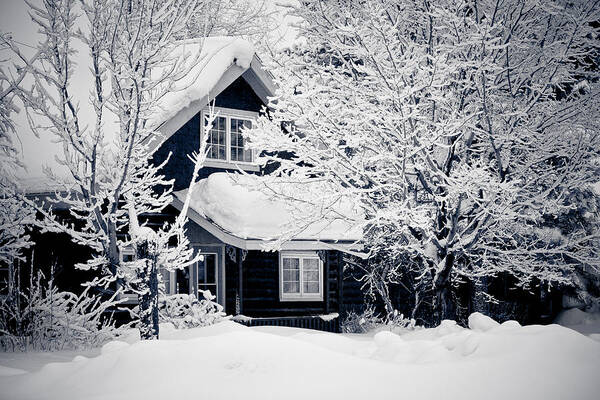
326 324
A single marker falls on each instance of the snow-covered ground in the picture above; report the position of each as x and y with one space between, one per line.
230 361
583 322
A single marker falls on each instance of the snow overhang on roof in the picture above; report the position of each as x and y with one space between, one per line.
230 207
219 62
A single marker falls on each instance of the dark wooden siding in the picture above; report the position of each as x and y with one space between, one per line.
58 252
183 142
239 96
260 283
351 294
260 288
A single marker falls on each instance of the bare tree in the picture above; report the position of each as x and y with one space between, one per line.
14 213
459 128
134 63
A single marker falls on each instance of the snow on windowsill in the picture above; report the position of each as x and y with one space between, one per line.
329 317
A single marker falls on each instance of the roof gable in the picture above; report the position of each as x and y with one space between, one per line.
253 74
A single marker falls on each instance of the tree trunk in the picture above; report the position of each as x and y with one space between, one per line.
382 288
442 305
148 287
442 302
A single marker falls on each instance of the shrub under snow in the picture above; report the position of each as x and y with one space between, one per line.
186 311
368 320
43 318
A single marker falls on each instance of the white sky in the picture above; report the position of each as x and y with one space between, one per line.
36 152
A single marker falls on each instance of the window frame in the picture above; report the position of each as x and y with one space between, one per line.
128 297
228 114
300 255
131 297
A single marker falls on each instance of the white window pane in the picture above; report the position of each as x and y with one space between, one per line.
311 287
247 155
166 278
201 271
237 141
310 276
291 275
291 263
310 264
216 139
291 287
238 124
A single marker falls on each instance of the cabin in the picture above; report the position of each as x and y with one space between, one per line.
303 283
232 226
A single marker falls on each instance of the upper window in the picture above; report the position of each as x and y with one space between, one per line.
225 140
300 277
127 254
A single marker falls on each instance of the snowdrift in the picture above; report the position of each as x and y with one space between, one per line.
587 323
228 361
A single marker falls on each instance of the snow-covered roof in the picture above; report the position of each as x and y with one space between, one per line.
39 185
205 61
235 204
211 65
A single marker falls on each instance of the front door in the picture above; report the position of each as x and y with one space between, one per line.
206 273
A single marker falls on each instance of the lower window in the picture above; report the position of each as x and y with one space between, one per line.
300 276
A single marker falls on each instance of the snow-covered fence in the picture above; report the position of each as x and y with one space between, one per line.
326 323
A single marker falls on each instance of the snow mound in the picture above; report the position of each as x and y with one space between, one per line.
587 323
482 323
204 61
510 324
115 345
8 371
450 362
575 316
235 203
